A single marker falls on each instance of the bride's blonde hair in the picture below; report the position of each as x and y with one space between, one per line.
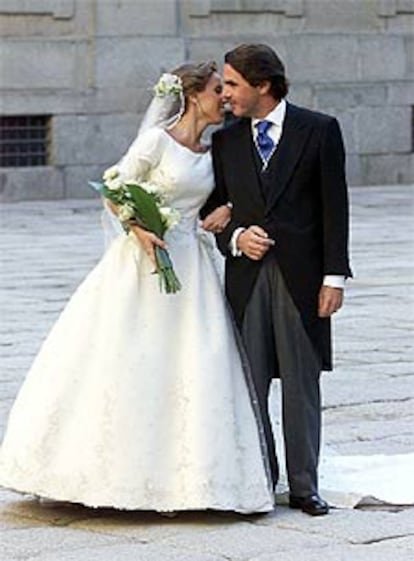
171 93
194 77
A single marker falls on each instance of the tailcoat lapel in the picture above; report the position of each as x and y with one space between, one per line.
292 142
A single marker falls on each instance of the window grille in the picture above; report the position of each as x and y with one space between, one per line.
25 140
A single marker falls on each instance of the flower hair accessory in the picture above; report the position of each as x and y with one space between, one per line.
168 84
167 105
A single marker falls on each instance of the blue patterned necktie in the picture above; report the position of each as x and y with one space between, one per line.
264 143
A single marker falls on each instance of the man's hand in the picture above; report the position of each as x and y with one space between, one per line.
254 242
330 301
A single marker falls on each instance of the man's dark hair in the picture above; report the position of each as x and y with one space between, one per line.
259 63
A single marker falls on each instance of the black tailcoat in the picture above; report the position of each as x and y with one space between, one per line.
304 209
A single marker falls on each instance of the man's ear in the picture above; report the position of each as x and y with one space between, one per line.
264 87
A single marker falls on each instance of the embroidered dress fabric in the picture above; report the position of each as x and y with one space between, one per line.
138 399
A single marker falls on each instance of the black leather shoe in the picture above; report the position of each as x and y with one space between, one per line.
313 504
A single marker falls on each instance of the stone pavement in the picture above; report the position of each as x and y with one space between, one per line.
46 249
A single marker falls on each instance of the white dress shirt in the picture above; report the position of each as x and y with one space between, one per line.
277 117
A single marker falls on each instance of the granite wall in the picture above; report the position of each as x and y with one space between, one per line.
91 65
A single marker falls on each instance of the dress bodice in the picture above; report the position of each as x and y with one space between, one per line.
184 177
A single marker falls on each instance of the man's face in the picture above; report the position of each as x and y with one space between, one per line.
243 98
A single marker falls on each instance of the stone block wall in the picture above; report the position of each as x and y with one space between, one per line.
91 64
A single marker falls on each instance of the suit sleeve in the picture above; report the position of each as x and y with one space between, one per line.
335 207
219 196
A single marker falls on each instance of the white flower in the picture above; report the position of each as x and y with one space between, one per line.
111 178
168 84
170 215
150 188
111 173
125 212
114 184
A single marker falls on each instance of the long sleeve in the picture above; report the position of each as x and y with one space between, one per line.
143 154
220 196
334 197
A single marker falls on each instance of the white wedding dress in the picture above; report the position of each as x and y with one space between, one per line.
138 399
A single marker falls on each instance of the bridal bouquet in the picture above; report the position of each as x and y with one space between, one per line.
142 204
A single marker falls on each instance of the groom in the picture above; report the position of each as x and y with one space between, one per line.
282 168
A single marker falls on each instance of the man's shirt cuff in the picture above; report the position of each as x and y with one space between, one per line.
234 250
334 281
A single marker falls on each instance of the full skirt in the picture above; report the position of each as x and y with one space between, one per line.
139 399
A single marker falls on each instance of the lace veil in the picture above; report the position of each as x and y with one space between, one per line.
164 111
167 106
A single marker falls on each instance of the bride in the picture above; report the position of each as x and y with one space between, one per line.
139 399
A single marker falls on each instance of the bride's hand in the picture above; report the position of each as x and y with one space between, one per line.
148 240
217 220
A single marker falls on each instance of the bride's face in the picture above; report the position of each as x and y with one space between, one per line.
210 100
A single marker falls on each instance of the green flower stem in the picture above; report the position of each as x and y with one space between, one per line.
168 279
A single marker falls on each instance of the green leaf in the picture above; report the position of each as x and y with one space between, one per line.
147 210
115 196
100 187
